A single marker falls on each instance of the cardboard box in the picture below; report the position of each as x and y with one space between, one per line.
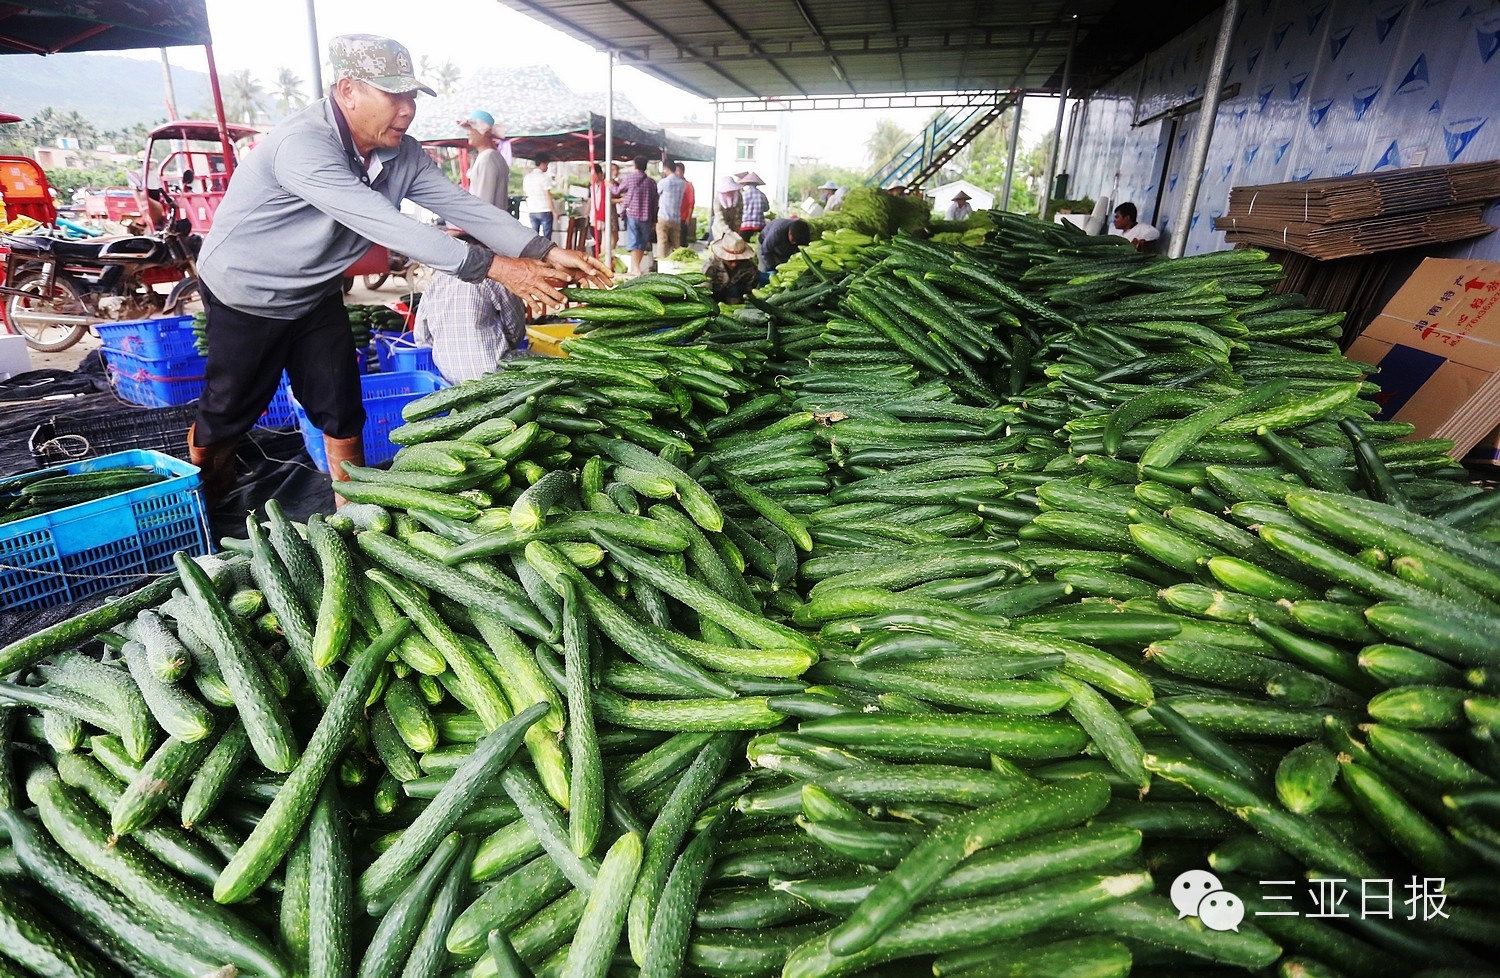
1437 344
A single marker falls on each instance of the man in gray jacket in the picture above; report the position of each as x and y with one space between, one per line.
304 204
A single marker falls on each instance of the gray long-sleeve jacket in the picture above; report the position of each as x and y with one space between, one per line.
297 213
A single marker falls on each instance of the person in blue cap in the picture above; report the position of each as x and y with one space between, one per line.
489 173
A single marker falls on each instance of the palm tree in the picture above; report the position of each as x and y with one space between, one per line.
136 136
447 77
244 99
74 125
886 141
288 93
42 126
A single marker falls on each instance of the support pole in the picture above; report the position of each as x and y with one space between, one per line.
224 141
713 171
1204 133
166 83
316 78
1065 160
1010 162
589 206
1062 101
609 157
1076 135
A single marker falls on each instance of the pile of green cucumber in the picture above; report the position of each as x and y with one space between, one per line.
929 616
35 493
364 321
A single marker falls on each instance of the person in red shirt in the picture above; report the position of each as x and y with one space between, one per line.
599 199
689 201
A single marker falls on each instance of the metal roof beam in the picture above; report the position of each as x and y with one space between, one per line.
879 42
744 35
833 60
20 45
890 6
720 56
929 100
640 18
539 12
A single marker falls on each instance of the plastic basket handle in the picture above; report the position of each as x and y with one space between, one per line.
140 375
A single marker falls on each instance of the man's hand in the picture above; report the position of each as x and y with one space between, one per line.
581 267
534 282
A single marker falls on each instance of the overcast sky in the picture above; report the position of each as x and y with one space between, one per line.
266 35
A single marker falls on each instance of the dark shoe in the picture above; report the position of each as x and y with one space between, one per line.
216 467
339 451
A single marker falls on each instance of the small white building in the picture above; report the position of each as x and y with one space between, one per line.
979 199
746 142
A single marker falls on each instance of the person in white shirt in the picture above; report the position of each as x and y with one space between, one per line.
958 208
538 187
816 204
1138 234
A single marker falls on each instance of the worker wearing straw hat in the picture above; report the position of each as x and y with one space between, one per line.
958 208
753 204
730 268
726 207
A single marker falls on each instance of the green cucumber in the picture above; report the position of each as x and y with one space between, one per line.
1305 778
330 881
273 835
393 939
418 841
86 837
604 914
262 712
1050 807
175 711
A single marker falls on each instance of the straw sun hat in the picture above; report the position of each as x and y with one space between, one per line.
731 247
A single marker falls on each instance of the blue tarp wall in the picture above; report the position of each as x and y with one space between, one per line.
1328 89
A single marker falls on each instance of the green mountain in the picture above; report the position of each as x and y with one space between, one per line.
110 91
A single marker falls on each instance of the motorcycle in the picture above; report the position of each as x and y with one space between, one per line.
397 265
56 289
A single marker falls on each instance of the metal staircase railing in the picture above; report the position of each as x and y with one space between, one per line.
948 132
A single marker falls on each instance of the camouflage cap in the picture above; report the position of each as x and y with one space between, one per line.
376 60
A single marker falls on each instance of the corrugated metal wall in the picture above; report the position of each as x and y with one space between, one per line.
1326 89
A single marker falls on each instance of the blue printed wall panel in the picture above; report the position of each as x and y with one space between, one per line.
1327 89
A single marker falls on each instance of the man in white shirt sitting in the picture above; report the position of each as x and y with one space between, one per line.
1138 234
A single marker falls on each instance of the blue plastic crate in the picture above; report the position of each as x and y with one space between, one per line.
150 339
405 359
384 396
156 381
386 344
70 553
279 413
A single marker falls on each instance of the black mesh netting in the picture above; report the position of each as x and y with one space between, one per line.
271 464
